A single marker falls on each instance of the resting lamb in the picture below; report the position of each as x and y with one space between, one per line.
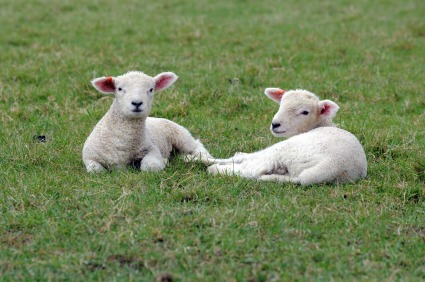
126 135
316 151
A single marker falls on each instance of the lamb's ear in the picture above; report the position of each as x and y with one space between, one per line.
164 80
328 108
275 94
104 84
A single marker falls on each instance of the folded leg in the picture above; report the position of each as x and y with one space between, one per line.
278 178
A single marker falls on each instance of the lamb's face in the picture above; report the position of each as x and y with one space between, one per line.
299 111
134 91
134 94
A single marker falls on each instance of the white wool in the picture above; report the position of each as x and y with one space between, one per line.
126 134
316 151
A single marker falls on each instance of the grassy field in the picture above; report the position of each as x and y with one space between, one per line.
60 223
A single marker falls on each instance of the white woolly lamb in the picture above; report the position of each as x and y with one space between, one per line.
316 151
126 134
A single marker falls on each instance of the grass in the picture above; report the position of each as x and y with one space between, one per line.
60 223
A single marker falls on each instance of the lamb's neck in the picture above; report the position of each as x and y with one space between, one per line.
325 122
125 126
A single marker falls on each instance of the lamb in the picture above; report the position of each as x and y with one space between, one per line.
126 135
315 152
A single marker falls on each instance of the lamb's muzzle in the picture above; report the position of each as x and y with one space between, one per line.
137 105
275 125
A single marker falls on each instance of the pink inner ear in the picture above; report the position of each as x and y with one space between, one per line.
326 110
277 95
106 85
164 82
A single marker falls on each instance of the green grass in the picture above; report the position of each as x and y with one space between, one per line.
59 223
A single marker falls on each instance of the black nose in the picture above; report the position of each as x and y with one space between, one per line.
137 104
274 125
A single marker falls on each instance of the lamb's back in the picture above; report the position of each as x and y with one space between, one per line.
338 147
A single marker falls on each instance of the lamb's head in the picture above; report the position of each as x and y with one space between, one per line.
299 111
134 91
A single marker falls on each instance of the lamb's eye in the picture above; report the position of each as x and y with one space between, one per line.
150 90
119 89
305 113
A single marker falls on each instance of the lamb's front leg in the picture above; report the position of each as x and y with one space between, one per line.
227 169
93 166
278 178
252 165
152 160
252 168
238 158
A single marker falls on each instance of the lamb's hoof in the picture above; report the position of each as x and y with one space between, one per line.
201 157
95 168
189 158
221 169
213 169
152 166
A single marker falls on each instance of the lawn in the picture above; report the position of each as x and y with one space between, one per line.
60 223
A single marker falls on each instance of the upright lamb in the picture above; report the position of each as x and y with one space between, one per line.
126 135
316 151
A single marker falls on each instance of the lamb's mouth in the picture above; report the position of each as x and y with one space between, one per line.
137 111
279 132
